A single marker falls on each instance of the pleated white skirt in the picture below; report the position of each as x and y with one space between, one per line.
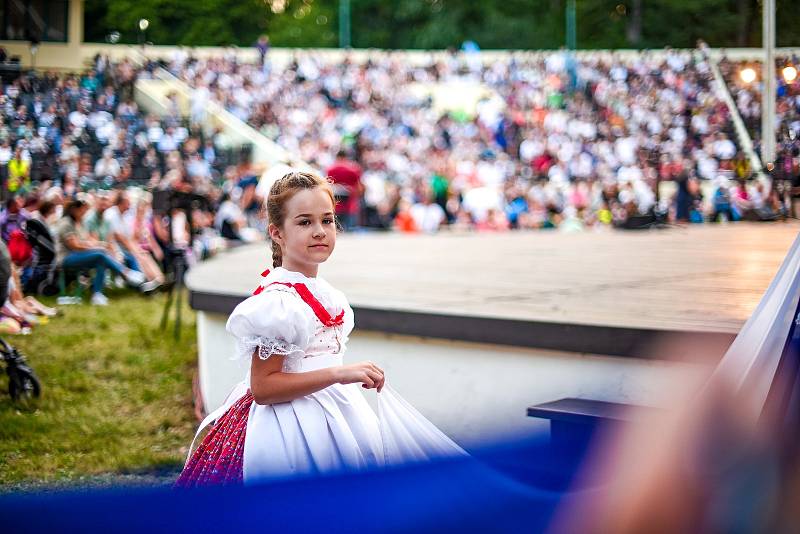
335 430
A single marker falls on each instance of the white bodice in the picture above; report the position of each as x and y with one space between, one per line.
277 320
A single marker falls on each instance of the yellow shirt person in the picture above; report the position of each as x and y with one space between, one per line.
19 174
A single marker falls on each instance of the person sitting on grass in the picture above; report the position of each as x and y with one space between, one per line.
78 250
17 312
120 232
27 311
100 230
142 234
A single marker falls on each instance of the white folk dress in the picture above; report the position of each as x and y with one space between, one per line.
333 429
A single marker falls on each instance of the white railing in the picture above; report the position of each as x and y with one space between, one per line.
282 56
753 358
745 141
153 96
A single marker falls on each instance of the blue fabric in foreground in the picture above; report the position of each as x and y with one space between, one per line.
494 491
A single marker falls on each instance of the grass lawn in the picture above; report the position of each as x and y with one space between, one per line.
116 403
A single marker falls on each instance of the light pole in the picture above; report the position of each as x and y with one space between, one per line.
572 68
768 95
344 23
34 46
571 26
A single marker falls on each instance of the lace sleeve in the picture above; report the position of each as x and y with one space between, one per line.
267 347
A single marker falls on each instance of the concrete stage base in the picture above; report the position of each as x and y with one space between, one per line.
642 294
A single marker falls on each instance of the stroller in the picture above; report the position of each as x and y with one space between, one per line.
22 382
42 278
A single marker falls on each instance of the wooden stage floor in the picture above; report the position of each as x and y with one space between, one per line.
697 279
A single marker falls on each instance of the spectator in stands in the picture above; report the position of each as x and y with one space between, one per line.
743 203
168 141
428 216
722 205
404 220
90 83
13 217
77 250
229 219
346 176
19 173
107 168
6 153
262 45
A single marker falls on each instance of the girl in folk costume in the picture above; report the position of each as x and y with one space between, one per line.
299 411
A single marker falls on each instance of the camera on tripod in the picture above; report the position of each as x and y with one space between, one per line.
175 204
169 200
177 207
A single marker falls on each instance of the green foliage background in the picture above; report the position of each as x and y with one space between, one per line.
506 24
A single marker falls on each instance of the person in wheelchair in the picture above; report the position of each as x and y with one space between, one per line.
77 250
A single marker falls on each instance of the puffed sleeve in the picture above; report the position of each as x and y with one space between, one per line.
274 322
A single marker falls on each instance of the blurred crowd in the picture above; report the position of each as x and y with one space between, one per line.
559 141
85 131
97 192
747 95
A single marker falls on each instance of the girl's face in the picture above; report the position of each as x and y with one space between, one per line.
308 234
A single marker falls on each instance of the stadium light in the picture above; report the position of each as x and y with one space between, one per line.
789 74
747 75
143 25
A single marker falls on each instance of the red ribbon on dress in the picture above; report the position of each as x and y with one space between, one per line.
319 310
308 297
260 288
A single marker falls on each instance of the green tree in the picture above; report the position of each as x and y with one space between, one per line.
213 22
304 24
185 22
506 24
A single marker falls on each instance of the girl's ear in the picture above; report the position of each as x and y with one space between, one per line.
275 233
